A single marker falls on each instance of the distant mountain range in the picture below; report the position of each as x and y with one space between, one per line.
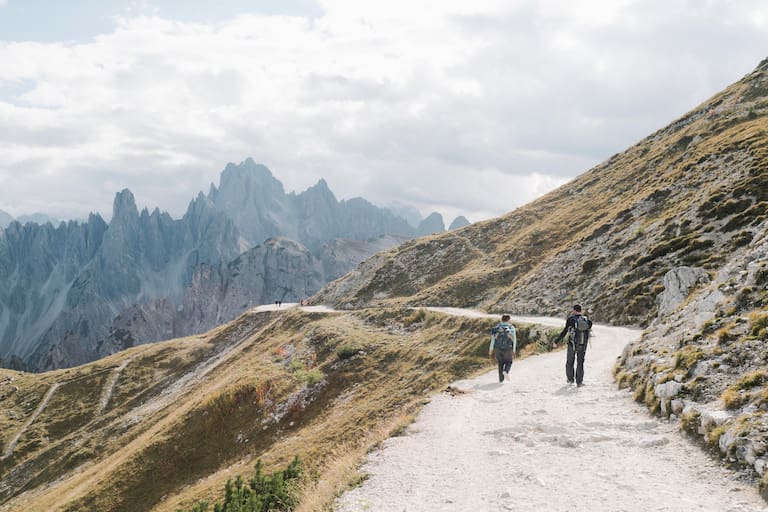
78 291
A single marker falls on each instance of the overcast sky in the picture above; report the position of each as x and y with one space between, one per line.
464 107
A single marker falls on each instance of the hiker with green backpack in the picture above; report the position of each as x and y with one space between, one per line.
503 346
577 326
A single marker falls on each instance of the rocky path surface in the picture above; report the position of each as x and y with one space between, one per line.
535 443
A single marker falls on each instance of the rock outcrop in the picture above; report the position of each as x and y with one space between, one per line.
704 364
678 284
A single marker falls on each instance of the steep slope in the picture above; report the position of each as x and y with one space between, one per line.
671 234
705 364
198 410
688 195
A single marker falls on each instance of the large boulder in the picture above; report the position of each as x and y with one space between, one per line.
678 284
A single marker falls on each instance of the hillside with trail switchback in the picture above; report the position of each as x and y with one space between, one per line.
669 235
692 194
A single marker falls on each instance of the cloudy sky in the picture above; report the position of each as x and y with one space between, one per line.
462 107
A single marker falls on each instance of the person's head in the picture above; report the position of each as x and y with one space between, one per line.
505 318
577 308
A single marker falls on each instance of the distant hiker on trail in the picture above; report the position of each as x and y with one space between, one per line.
503 346
577 327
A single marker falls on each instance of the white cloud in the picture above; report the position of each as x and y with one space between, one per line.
437 103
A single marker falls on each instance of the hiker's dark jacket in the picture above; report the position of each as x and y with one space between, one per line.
570 325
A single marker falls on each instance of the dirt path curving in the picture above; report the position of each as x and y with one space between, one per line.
40 408
537 444
110 387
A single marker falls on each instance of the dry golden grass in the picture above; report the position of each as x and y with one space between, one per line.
341 472
201 410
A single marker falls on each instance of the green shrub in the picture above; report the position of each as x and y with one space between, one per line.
263 493
310 377
347 351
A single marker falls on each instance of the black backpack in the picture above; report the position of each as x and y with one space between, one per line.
503 337
580 333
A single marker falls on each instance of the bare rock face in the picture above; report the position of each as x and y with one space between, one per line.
278 270
678 284
261 209
139 257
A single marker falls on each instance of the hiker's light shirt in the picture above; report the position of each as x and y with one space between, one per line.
512 334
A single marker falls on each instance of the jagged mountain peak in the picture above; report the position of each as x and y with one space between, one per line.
247 183
321 191
124 206
5 219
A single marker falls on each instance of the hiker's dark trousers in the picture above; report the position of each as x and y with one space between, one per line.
575 355
504 358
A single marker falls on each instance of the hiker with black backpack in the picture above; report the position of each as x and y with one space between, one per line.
503 346
577 326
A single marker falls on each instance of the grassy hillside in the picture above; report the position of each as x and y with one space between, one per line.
687 195
185 415
671 234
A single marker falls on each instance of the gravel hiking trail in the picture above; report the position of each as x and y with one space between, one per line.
535 443
40 408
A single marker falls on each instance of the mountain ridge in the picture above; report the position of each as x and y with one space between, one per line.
147 262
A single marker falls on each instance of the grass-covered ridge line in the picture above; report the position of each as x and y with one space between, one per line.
689 194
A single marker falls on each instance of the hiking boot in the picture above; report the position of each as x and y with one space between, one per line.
578 385
570 383
506 376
